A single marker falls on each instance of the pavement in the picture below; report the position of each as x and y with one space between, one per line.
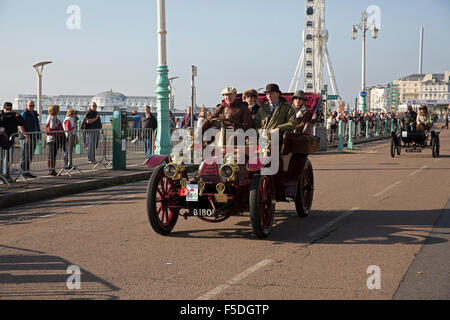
47 187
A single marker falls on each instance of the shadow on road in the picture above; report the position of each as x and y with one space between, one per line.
28 274
360 227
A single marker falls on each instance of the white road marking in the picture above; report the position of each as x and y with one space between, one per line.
332 222
92 205
53 214
418 170
217 290
388 188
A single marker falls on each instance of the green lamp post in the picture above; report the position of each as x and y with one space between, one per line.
163 145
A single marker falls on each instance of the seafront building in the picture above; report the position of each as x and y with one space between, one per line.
106 102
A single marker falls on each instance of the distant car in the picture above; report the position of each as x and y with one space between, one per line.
414 141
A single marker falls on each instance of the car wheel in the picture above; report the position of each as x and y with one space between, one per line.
392 148
161 217
262 204
304 190
434 147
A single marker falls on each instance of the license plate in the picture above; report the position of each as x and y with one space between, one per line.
192 190
413 150
200 212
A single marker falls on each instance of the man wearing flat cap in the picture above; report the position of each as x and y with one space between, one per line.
302 113
231 109
280 114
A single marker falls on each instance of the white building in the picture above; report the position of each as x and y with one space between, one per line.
378 98
106 101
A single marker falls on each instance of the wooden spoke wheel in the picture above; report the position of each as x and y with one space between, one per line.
262 204
304 191
159 197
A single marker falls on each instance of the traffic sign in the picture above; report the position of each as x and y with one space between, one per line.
332 97
363 94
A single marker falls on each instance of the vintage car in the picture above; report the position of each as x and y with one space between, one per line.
415 141
221 187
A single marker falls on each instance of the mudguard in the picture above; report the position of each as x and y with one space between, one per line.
155 161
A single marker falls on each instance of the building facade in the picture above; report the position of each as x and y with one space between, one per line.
106 102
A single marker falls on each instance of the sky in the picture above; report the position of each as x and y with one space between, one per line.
240 43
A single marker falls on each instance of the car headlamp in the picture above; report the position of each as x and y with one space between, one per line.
228 171
171 170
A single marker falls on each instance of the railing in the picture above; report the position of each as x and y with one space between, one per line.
62 152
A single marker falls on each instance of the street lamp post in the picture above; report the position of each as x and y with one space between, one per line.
163 142
171 95
363 26
39 67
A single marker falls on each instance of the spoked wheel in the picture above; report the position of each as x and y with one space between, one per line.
399 149
262 206
305 190
161 217
392 148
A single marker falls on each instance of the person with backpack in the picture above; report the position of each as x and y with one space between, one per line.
10 123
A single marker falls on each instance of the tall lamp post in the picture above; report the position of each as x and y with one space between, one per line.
163 141
39 67
363 26
171 95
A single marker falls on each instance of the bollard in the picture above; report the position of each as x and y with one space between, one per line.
392 125
367 129
340 141
377 128
385 126
399 129
350 136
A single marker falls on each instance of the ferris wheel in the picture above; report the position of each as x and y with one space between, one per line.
315 38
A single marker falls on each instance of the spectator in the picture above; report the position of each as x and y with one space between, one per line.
10 123
186 122
31 126
70 126
92 124
201 118
250 96
149 124
55 138
173 122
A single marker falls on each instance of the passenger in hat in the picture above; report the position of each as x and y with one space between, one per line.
280 114
302 113
258 112
231 109
423 119
409 119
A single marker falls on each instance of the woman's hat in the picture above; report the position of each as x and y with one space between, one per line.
299 94
250 92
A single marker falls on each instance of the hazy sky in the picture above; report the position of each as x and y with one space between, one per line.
244 43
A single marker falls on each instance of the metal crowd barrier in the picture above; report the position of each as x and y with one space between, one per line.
140 143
